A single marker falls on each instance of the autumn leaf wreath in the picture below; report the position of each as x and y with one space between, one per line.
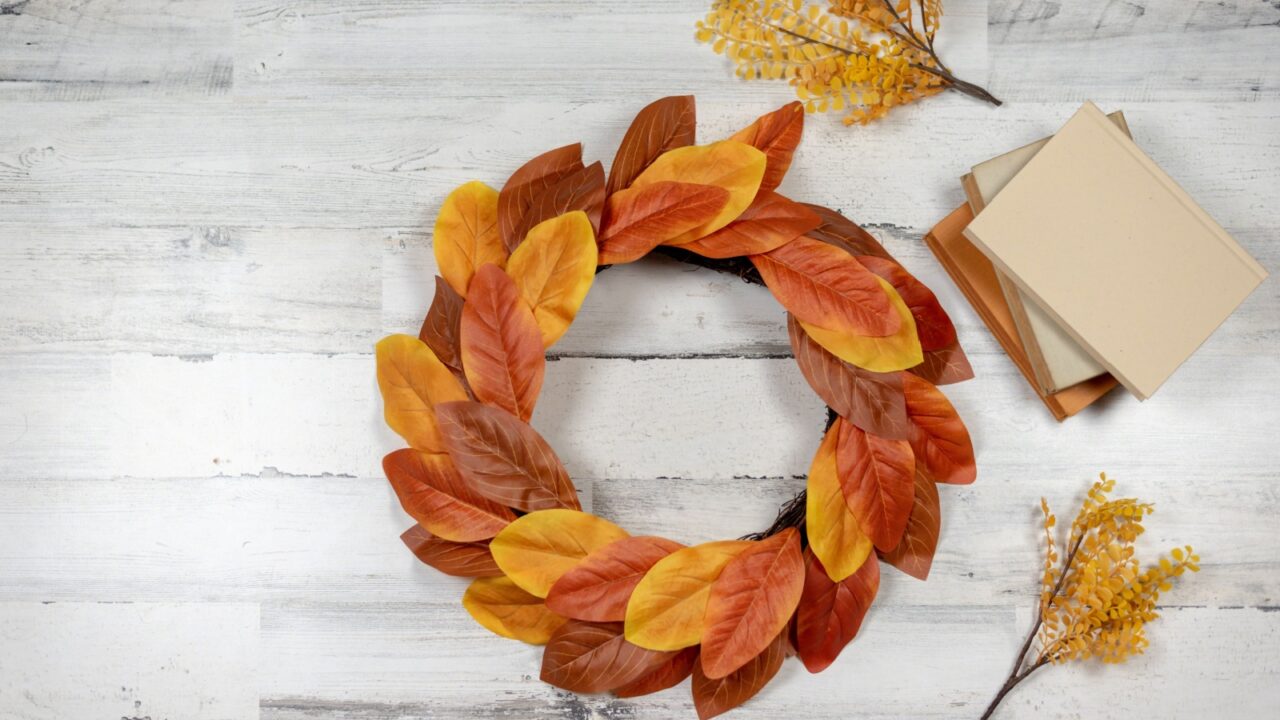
637 614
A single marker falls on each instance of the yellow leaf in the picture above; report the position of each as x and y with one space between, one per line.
667 609
413 381
503 608
535 550
898 351
734 166
466 234
833 529
553 269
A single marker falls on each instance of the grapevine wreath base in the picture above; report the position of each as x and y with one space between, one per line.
636 614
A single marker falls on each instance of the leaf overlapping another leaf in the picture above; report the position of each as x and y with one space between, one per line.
833 530
890 353
527 183
471 559
877 476
582 189
643 218
734 166
466 234
441 326
501 344
841 232
914 554
776 134
715 696
503 608
662 125
553 269
945 366
825 287
831 613
669 674
938 436
539 548
599 587
434 494
933 325
668 607
768 223
413 381
587 657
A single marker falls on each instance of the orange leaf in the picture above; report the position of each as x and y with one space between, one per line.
914 555
526 184
831 612
751 602
668 608
440 326
713 697
643 218
938 435
734 166
933 325
586 657
823 286
504 609
435 495
599 587
466 234
451 558
876 475
413 381
536 550
945 366
504 459
582 189
898 351
662 125
667 675
777 134
770 222
841 232
834 534
553 269
872 401
501 344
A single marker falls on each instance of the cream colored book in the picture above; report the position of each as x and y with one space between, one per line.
1058 361
1124 259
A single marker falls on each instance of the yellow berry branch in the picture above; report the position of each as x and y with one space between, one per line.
864 56
1097 603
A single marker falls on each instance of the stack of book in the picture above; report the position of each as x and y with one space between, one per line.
1090 265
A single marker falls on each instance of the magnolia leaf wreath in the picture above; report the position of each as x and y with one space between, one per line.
637 614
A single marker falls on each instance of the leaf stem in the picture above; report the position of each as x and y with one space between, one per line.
1010 684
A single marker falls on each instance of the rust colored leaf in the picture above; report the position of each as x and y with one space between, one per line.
586 657
643 218
876 476
661 126
434 494
841 232
831 612
501 344
751 602
945 366
440 327
712 697
598 588
828 288
667 675
777 134
938 436
458 559
504 459
526 184
889 353
504 609
933 325
769 222
914 555
873 401
579 190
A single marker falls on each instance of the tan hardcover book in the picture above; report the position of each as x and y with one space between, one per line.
1123 258
1057 359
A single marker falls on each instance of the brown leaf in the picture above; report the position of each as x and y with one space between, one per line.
713 697
598 588
501 344
876 476
640 219
667 675
751 602
777 134
769 222
831 612
662 125
526 184
585 657
579 190
938 436
503 458
914 555
440 327
872 401
845 234
434 494
945 366
458 559
933 325
828 288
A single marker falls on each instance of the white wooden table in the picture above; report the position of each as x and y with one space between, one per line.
211 209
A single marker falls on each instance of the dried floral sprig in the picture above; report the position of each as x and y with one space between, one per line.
1097 603
863 56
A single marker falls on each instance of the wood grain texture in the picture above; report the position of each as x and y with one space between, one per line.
211 210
